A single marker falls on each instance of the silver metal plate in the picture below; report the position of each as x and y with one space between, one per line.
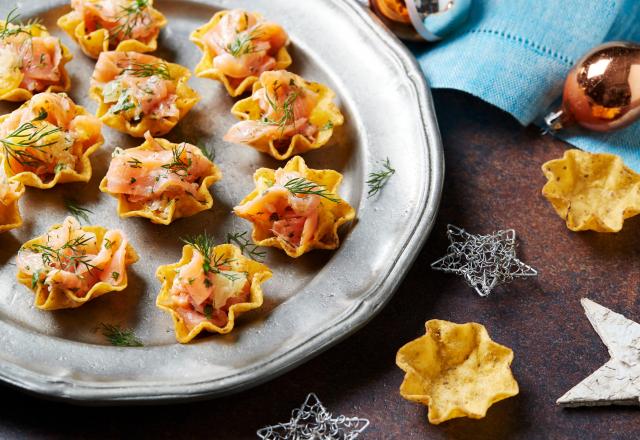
311 302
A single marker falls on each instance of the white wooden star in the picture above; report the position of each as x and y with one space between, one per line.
484 261
618 381
312 421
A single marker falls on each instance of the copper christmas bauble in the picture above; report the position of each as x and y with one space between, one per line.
420 20
602 91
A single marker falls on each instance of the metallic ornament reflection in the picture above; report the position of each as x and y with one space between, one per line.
419 20
485 261
602 91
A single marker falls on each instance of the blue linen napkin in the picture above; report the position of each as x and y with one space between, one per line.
515 54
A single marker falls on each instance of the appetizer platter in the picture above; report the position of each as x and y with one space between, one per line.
192 195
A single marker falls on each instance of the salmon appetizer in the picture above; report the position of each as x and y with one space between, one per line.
160 180
285 116
49 140
71 265
31 60
209 287
10 193
296 208
103 25
237 47
139 93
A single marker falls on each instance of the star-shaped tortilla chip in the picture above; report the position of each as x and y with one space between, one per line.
592 191
456 370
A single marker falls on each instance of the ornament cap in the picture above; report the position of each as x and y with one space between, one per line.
556 120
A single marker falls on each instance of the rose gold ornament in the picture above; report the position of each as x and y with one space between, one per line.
419 20
602 91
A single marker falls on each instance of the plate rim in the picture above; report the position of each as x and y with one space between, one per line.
89 393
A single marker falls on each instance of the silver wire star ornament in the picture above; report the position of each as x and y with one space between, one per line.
312 421
484 261
618 381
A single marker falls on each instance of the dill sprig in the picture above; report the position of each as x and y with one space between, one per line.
62 259
178 165
243 43
76 210
120 337
246 247
300 185
288 114
220 262
27 136
146 70
214 264
128 18
206 151
123 104
327 126
18 27
134 163
35 278
378 179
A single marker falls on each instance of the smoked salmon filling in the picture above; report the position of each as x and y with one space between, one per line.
49 140
139 93
209 287
71 265
31 61
238 46
160 180
296 208
10 193
285 116
124 25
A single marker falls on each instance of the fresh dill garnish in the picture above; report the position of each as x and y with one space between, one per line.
134 163
208 311
378 179
107 243
18 27
115 275
219 263
288 114
206 152
300 185
327 126
242 44
128 19
145 70
178 165
59 167
215 264
27 136
246 247
35 278
204 244
123 104
68 257
77 211
120 337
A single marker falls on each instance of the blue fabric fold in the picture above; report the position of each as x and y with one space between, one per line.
515 54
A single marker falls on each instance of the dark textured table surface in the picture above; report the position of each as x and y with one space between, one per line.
493 181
